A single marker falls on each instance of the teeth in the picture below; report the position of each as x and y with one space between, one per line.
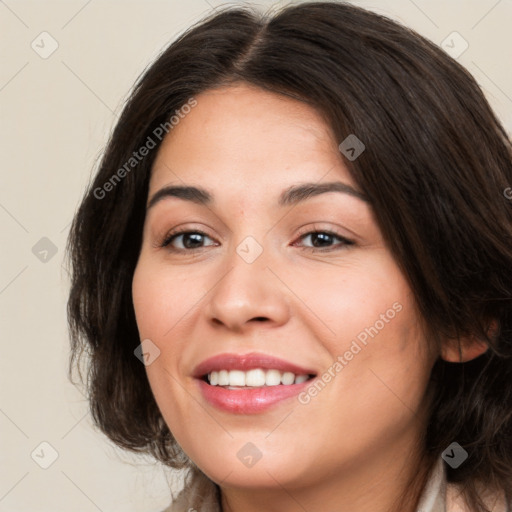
273 378
213 378
288 378
236 378
254 378
301 378
223 378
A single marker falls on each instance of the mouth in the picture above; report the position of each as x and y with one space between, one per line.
250 383
255 378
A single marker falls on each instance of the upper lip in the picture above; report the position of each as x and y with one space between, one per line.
247 362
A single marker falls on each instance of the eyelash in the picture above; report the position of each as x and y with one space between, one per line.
169 238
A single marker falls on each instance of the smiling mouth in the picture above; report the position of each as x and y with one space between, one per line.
255 378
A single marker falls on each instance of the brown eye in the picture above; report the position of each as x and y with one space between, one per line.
323 240
190 240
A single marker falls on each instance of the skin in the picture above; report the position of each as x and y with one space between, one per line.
355 444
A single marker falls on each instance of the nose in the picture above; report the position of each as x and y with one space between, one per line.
248 294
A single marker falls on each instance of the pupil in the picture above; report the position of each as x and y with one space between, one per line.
324 236
197 237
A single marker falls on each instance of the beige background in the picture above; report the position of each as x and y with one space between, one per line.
56 113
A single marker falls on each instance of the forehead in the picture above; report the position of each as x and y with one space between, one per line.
244 139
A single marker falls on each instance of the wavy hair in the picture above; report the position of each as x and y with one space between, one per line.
436 167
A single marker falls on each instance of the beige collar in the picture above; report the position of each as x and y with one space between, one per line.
433 498
441 496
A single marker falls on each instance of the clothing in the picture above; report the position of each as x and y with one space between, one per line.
438 496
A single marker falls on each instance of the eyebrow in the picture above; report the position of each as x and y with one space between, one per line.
291 196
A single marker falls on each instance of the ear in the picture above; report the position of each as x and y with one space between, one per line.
467 351
467 348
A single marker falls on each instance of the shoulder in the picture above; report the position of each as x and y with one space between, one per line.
439 495
494 501
199 494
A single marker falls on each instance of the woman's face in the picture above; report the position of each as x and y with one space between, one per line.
274 279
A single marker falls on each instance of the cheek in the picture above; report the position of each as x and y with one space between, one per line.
160 312
161 299
388 374
166 307
352 299
365 313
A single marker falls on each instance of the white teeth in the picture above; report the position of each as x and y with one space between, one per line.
254 378
273 378
301 378
214 378
236 378
287 378
223 378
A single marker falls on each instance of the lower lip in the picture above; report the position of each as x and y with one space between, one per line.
247 400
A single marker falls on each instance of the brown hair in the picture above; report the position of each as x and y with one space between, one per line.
435 167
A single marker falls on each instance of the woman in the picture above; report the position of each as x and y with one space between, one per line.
292 270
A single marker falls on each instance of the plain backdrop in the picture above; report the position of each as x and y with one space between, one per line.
66 68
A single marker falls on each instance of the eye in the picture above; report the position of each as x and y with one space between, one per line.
190 240
322 240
